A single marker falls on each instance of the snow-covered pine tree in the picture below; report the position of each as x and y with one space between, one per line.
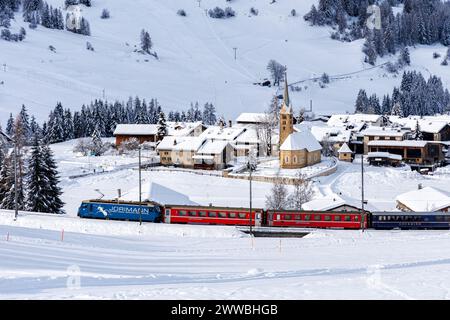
38 188
97 147
162 126
146 41
55 129
417 133
362 101
54 191
10 125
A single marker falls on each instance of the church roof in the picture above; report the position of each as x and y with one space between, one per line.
301 140
287 106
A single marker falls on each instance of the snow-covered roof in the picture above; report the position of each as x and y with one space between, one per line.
182 128
180 143
136 129
249 136
340 119
345 149
333 134
251 117
383 132
429 124
301 140
384 155
327 204
426 199
213 147
393 143
218 133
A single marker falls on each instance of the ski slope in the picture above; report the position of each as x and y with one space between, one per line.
196 59
188 263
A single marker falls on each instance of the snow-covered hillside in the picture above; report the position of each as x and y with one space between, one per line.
196 59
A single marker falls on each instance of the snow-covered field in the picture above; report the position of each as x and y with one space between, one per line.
196 59
187 262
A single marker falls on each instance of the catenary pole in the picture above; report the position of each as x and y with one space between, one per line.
362 192
140 188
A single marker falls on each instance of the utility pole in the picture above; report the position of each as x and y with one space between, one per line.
4 67
235 49
199 1
16 193
251 222
362 191
140 188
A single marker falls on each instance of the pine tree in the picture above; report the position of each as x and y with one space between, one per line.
146 41
417 133
362 101
162 126
97 146
53 191
37 199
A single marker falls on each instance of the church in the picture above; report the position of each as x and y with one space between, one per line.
298 148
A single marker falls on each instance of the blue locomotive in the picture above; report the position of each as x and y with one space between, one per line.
410 220
114 210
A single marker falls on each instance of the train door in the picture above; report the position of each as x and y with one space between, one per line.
258 218
167 216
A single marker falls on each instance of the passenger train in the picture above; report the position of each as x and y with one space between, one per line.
258 217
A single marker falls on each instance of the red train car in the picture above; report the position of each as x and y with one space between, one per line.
213 215
316 219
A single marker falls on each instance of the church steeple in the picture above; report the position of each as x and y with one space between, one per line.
286 114
287 106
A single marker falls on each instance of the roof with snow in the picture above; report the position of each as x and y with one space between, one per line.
213 147
249 136
386 155
429 124
136 129
426 199
340 119
328 204
182 128
333 134
383 131
392 143
218 133
251 117
345 149
300 141
180 143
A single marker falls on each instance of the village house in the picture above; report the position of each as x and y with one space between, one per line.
335 204
382 133
251 118
179 151
433 128
142 132
418 154
384 159
426 199
213 155
297 149
148 132
356 119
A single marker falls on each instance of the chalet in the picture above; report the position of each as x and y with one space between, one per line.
142 132
426 199
382 133
355 119
179 151
418 154
213 155
148 132
249 118
433 128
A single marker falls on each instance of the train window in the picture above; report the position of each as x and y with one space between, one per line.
232 215
222 215
356 218
212 214
182 213
287 217
193 213
327 218
307 217
447 218
298 217
317 217
337 218
202 213
347 218
242 215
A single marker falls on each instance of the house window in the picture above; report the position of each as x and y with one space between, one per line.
294 160
286 159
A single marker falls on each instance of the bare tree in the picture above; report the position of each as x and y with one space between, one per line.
277 71
278 197
303 191
328 147
264 130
